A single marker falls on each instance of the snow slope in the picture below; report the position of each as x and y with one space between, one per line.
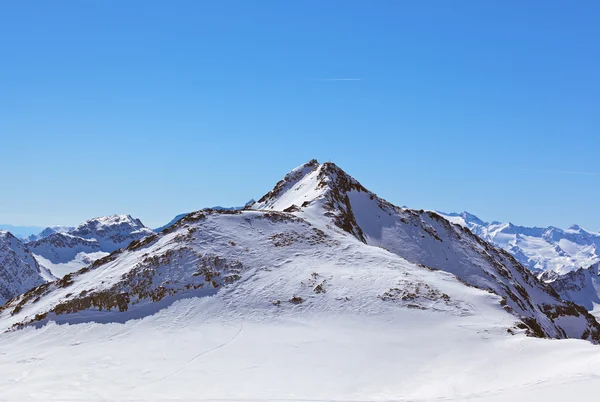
581 286
539 249
316 191
66 251
184 353
19 271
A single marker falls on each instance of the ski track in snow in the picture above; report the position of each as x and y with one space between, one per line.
191 360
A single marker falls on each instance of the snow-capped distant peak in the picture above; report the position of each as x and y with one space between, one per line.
111 221
540 249
470 218
47 232
19 271
68 251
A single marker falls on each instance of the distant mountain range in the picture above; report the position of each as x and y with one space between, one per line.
47 232
549 249
63 250
21 231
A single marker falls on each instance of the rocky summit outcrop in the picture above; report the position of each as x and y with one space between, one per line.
316 191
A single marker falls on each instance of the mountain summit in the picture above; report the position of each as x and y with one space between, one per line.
19 271
315 191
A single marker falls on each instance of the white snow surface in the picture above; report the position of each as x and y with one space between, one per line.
539 249
80 260
184 353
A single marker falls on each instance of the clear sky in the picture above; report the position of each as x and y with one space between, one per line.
156 108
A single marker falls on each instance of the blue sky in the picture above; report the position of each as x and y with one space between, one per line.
157 108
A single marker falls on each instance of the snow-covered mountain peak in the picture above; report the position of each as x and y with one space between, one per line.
65 252
19 271
111 222
468 217
305 184
113 231
50 230
540 249
327 197
318 190
576 229
299 183
581 286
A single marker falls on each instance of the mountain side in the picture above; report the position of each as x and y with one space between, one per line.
19 271
314 191
581 286
64 252
541 250
251 264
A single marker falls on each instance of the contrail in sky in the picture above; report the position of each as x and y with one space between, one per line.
336 79
562 172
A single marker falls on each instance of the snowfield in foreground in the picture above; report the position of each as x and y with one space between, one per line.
184 354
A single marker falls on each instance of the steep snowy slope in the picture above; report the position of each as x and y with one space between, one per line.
64 252
539 249
314 191
581 286
19 271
